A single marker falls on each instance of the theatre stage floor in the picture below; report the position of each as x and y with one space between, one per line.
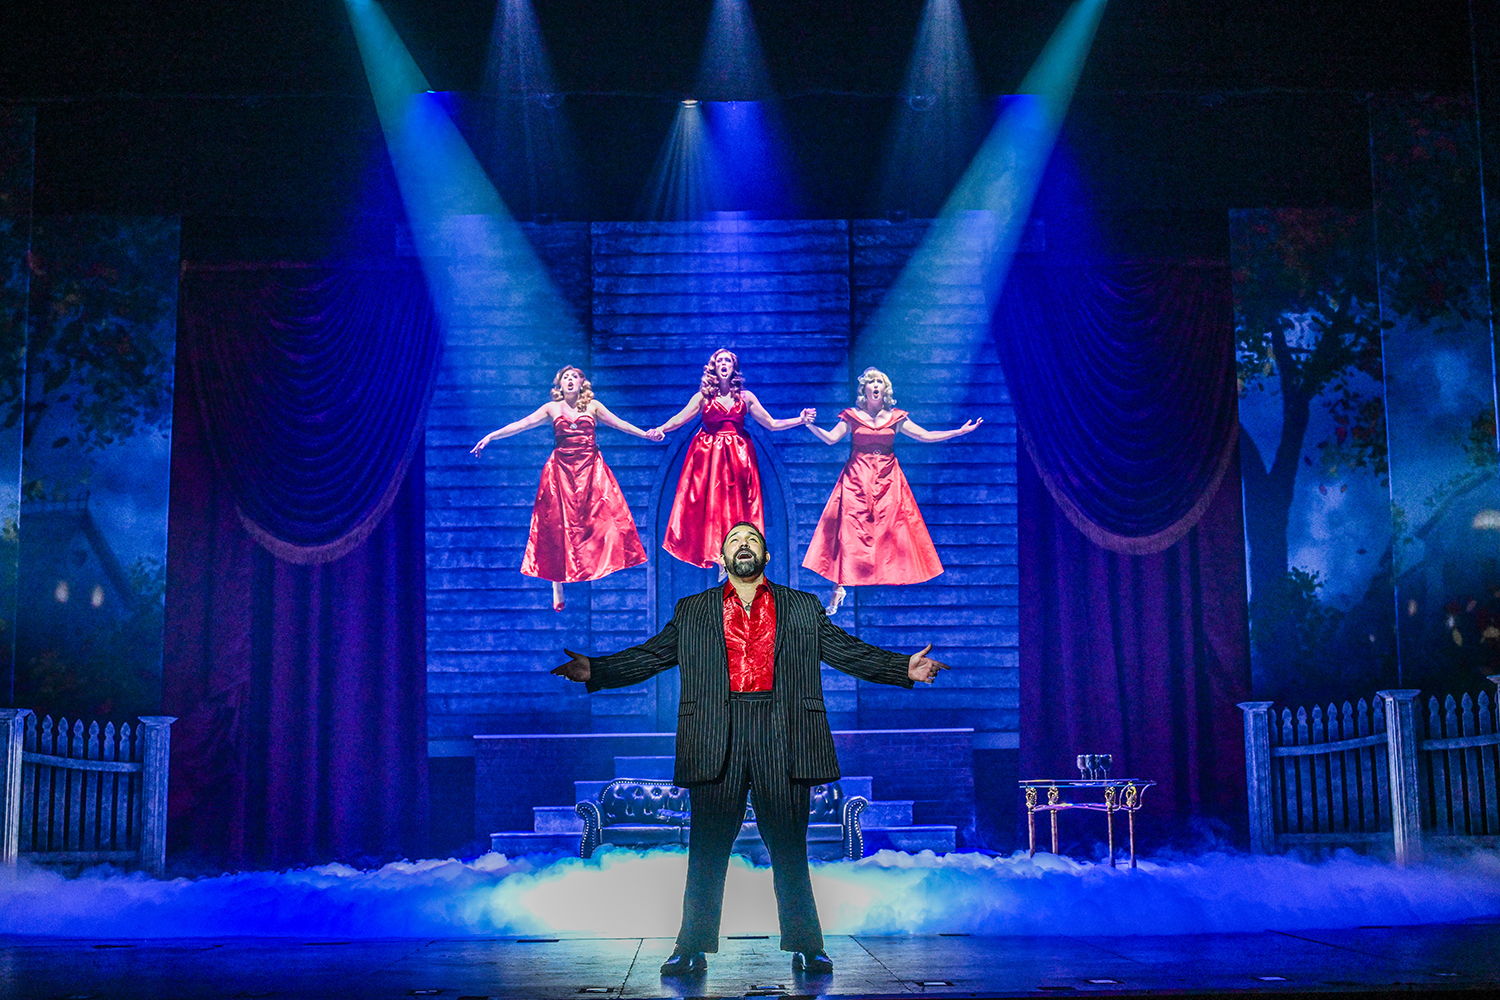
1432 960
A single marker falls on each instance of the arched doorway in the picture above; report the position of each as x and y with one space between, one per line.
668 580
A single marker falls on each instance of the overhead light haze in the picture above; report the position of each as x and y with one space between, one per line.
733 67
974 238
940 120
528 145
684 185
456 215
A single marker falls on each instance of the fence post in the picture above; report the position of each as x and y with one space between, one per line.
12 734
1401 755
154 770
1258 774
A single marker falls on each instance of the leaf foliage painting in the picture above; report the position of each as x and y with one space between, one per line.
99 351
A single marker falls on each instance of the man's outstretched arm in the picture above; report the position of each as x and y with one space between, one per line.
843 651
628 666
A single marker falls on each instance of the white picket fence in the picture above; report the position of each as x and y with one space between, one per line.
1460 764
84 794
1381 774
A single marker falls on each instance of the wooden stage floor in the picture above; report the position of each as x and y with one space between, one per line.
1433 960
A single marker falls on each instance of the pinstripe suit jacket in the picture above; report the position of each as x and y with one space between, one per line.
694 639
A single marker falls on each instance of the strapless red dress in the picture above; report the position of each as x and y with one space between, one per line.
581 528
719 486
871 531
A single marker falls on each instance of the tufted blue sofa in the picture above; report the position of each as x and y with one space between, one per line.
646 812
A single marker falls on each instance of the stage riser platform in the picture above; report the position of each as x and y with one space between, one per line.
583 791
564 819
914 779
887 824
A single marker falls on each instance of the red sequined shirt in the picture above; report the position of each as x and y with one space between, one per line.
750 638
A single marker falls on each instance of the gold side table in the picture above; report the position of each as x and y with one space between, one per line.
1119 795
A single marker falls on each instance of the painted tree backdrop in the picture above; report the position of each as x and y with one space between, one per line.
1367 406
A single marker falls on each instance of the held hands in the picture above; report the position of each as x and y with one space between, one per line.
809 415
920 667
578 669
656 434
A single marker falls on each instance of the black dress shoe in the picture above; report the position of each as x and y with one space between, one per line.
814 963
686 963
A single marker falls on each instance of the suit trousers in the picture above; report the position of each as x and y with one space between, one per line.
755 761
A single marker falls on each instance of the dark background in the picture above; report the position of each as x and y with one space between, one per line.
259 111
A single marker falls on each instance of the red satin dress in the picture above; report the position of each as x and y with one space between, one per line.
581 528
871 531
719 486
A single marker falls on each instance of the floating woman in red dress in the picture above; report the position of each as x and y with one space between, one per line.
581 528
720 481
871 531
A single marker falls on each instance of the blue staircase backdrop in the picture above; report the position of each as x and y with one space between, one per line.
652 302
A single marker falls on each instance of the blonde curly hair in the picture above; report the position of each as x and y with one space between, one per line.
585 391
888 394
708 385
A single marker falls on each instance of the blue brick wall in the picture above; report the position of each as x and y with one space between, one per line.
652 301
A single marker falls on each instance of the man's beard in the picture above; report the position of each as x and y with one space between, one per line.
746 565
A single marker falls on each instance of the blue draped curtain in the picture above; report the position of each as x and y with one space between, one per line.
1123 378
296 602
312 392
1133 629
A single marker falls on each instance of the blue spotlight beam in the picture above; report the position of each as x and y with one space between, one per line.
733 68
457 218
534 154
974 238
517 63
942 65
941 122
684 187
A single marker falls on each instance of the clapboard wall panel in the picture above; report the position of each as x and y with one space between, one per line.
653 301
665 298
945 371
493 632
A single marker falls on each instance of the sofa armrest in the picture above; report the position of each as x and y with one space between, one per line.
589 812
854 834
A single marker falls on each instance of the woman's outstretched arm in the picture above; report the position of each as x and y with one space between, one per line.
604 416
770 423
536 417
911 430
688 412
830 437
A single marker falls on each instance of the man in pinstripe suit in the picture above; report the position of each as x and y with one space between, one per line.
751 715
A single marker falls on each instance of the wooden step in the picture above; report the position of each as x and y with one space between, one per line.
655 768
556 819
517 844
886 813
911 839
